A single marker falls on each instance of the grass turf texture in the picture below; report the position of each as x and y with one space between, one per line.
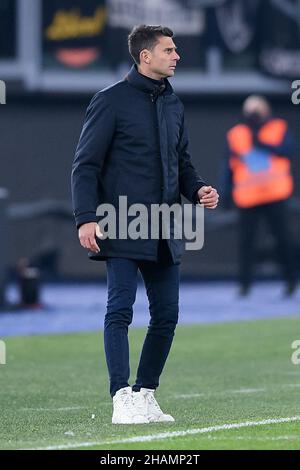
216 374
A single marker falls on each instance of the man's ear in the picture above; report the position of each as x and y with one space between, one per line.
145 56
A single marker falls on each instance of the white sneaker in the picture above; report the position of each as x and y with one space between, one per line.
123 410
146 405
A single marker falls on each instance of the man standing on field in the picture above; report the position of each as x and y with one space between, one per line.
134 143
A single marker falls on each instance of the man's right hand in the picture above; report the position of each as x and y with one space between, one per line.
87 234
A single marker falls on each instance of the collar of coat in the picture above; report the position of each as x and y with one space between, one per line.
148 85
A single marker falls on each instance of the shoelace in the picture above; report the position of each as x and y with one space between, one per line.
127 401
152 401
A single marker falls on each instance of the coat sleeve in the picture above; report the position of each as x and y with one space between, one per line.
189 180
226 179
285 149
95 139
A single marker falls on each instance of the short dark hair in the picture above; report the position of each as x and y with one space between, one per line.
145 37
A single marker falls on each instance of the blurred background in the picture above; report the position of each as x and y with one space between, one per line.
55 54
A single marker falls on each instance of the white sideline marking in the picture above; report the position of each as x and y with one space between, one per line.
166 435
292 385
239 390
191 395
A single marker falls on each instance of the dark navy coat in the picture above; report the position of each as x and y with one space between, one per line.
134 143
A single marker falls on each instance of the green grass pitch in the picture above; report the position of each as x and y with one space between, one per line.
216 375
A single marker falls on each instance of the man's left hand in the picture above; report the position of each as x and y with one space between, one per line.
208 197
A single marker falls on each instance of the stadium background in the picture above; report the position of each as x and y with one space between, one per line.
55 54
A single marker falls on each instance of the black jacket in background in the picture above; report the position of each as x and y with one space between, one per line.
134 143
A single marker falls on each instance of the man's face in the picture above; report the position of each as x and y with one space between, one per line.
163 58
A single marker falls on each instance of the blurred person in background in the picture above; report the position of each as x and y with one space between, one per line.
134 143
257 178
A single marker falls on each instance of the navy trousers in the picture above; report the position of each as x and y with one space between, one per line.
162 286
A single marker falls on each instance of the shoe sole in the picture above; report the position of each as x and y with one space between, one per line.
117 421
127 422
168 420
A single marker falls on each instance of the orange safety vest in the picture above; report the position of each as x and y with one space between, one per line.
258 176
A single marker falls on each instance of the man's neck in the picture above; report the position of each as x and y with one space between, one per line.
149 74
